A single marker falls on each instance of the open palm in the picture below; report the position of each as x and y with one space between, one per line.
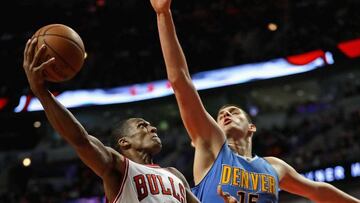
160 6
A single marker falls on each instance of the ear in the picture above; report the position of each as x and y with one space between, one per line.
124 143
252 128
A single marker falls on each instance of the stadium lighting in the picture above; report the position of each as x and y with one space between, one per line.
272 27
26 162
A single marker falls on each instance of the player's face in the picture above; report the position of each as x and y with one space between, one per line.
233 118
143 136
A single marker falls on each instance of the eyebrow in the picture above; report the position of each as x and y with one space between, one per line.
231 109
141 121
234 109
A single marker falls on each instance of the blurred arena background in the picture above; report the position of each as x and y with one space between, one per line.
309 119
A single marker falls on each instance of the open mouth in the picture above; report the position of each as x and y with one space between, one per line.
227 121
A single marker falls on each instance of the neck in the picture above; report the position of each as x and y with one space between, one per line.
241 146
140 157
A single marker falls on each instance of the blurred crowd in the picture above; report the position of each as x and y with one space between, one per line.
122 43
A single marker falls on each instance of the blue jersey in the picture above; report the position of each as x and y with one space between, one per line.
253 181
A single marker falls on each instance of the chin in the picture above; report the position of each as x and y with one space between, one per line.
230 130
227 128
156 149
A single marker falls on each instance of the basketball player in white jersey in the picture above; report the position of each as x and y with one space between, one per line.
129 174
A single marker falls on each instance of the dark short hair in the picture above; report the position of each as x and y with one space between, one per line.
119 130
246 114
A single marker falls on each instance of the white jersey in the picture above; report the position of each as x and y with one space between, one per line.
149 184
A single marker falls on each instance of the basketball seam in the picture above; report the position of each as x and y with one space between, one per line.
61 36
50 75
57 35
65 38
70 66
47 30
55 76
43 33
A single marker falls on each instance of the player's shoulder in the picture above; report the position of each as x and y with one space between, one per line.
279 165
273 160
119 162
276 162
115 154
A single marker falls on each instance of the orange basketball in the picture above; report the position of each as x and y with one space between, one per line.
66 46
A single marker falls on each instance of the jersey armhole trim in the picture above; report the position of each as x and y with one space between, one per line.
212 166
123 180
272 167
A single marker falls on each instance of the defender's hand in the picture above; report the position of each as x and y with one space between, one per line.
226 196
161 6
33 66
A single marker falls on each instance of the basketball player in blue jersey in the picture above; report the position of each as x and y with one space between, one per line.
128 174
223 147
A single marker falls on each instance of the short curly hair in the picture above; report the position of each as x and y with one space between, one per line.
120 130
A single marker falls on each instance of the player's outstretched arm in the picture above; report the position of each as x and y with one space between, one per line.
291 181
91 151
201 127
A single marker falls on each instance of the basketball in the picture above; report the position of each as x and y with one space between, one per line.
66 45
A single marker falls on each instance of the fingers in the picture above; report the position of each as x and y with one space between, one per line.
38 56
223 194
31 50
45 64
26 50
219 190
226 196
232 200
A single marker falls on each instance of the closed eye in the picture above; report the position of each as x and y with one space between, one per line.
220 116
142 125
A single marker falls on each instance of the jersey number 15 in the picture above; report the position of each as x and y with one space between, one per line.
252 198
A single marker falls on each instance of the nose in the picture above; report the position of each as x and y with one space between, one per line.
226 114
223 114
153 129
